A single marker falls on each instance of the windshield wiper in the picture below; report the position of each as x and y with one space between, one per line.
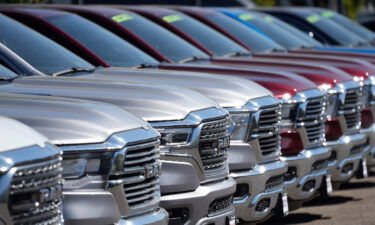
193 58
72 70
146 65
236 54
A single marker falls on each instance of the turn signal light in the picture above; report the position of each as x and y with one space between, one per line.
333 129
366 118
291 143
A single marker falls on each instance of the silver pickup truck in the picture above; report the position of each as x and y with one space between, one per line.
95 137
30 176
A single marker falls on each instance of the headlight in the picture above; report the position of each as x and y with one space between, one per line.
239 129
332 102
175 136
76 168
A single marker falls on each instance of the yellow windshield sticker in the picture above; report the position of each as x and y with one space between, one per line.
122 17
268 19
172 18
313 18
246 16
328 14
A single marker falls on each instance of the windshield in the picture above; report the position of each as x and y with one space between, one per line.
334 30
158 37
253 39
292 30
266 25
215 42
114 50
349 24
39 51
5 73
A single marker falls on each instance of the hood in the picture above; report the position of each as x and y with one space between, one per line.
279 83
149 102
67 121
16 135
227 91
354 67
319 74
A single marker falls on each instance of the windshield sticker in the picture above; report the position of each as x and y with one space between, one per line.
172 18
313 18
122 17
268 19
328 14
246 16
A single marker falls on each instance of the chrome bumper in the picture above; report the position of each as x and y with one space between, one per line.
198 202
100 207
303 163
256 179
341 148
370 151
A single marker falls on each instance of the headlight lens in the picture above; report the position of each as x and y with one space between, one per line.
175 136
76 168
239 128
332 102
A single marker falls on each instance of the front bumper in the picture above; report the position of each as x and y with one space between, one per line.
306 182
197 202
370 151
345 163
256 179
99 207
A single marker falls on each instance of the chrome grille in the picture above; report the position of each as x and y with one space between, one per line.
36 193
268 138
274 182
213 143
350 108
313 123
220 205
140 175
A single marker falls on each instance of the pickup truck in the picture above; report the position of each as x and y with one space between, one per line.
92 137
26 155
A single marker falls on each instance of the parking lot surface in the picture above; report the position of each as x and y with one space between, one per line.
353 204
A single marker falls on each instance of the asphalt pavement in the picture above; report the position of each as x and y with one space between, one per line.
353 204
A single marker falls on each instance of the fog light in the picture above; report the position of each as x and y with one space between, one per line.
263 205
348 168
178 216
333 129
308 186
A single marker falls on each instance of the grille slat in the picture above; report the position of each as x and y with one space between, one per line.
312 122
212 149
36 193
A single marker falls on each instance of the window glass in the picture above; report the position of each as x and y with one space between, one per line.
113 49
160 38
40 52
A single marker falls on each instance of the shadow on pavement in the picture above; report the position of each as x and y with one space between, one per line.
335 200
295 218
357 185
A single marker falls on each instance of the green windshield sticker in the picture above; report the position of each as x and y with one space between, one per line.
122 17
246 16
172 18
328 14
313 18
268 19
